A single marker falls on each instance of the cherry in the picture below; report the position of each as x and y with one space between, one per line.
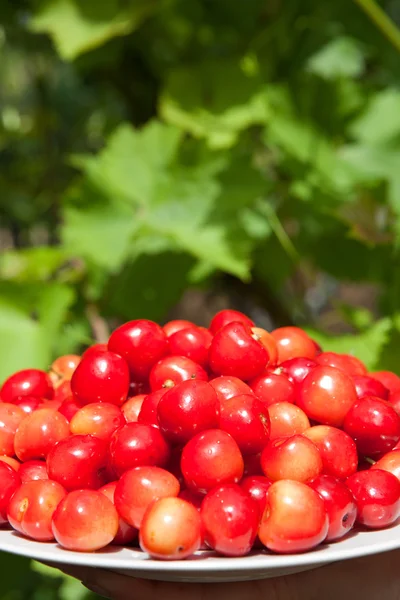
31 508
70 407
286 420
136 444
347 363
247 421
368 386
186 409
39 432
269 343
132 407
229 387
32 470
394 399
141 343
374 425
339 504
230 518
172 370
297 369
295 518
139 487
337 449
295 458
101 377
236 351
390 380
252 465
28 382
62 368
326 395
257 487
171 529
78 462
148 411
193 342
176 325
29 403
389 462
100 419
10 481
85 521
224 317
377 495
12 462
293 342
272 387
126 534
209 459
10 418
95 349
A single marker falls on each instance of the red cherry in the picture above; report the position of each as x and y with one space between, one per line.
286 420
252 465
374 425
141 343
62 368
209 459
100 419
38 433
295 518
368 386
12 462
136 444
347 363
85 521
339 504
28 382
78 462
10 418
63 391
326 395
229 387
101 377
390 380
230 519
257 486
389 462
126 534
187 409
226 316
95 349
29 403
235 352
271 388
394 399
70 407
171 370
295 458
293 342
297 369
338 450
31 508
269 343
148 412
176 325
32 470
193 342
377 495
246 419
10 480
132 407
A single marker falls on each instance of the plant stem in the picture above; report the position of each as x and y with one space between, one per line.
382 21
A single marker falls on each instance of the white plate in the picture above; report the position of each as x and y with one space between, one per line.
206 566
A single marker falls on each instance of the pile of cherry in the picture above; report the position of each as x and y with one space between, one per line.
180 438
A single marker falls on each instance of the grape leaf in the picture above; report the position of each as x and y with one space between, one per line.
367 345
341 57
77 27
380 122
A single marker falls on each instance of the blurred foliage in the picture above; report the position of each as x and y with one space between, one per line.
150 147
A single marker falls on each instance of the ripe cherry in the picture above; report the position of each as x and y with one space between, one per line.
269 343
272 387
100 419
132 407
10 481
339 504
126 534
148 411
209 459
136 444
12 462
62 368
295 458
70 407
286 420
85 521
141 343
236 351
28 382
29 403
293 342
257 487
39 432
297 369
390 380
347 363
230 518
368 386
101 377
139 487
176 325
171 370
31 508
186 409
374 425
246 419
295 518
377 495
171 529
326 395
229 387
10 418
224 317
32 470
389 462
193 342
394 399
337 449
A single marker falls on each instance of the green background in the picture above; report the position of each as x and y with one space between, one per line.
163 158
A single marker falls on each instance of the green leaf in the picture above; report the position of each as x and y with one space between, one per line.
215 100
367 345
342 57
380 122
31 264
77 27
